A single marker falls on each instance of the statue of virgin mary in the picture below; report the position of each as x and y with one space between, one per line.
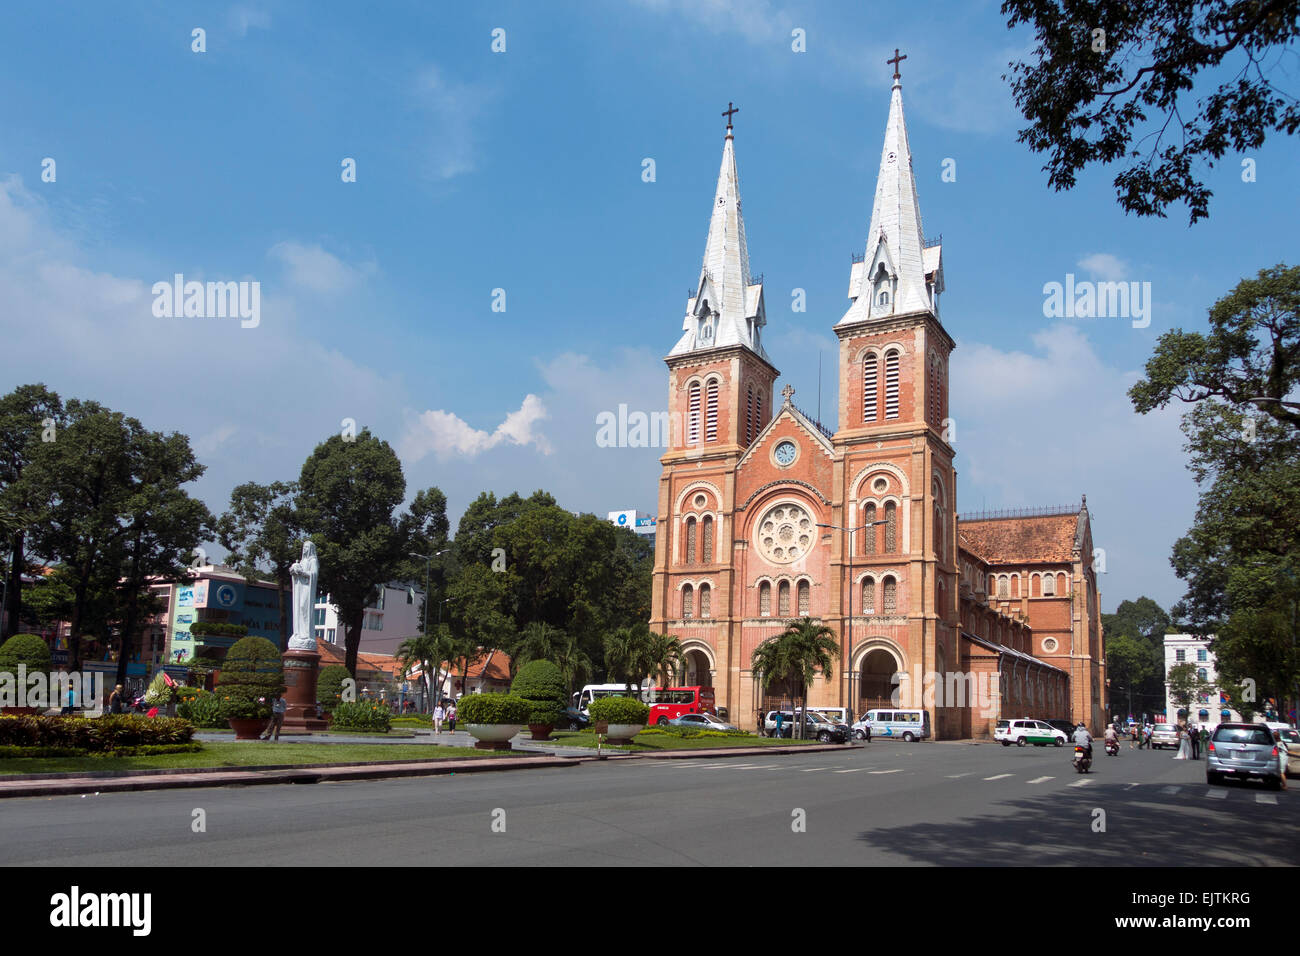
304 572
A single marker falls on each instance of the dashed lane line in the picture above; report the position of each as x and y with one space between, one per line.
1216 794
1081 783
1266 798
1041 779
999 776
886 771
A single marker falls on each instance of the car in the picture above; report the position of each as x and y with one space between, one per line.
1164 735
1291 740
575 719
701 722
1242 751
897 724
1064 726
1024 730
815 726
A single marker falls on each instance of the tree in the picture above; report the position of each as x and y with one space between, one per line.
665 655
429 652
1130 663
537 642
628 655
804 648
1102 68
347 492
424 527
29 415
1186 686
262 533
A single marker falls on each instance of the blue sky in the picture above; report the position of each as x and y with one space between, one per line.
522 171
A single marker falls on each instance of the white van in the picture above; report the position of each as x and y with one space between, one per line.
907 724
839 715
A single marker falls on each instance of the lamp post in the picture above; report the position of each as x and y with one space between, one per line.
850 532
424 627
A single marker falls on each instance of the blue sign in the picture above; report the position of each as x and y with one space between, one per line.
225 596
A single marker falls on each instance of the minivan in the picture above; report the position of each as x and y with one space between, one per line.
908 724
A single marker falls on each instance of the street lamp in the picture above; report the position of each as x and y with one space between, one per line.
850 531
424 627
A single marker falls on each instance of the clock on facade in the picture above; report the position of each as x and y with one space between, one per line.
785 453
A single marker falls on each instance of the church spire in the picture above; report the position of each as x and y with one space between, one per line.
898 273
727 307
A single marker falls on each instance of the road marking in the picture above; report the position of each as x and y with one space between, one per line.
763 766
730 766
1266 798
1170 789
813 769
1000 776
954 776
1081 783
886 771
1130 786
854 770
1042 779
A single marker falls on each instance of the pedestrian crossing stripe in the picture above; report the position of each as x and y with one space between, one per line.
1217 794
1170 789
1266 798
1081 783
885 771
999 776
1042 779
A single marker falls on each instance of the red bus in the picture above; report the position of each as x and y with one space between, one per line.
667 703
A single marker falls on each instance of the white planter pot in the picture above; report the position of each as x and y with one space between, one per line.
624 731
493 733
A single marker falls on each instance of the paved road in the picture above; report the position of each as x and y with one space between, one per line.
885 803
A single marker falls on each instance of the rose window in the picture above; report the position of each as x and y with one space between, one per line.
785 534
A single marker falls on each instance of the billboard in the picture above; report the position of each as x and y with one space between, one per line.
637 521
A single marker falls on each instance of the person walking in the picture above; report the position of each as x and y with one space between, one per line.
1194 734
451 716
1184 746
780 723
278 707
117 701
1132 736
439 714
1282 757
762 724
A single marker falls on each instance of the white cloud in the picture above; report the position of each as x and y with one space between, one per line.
1104 266
243 17
445 434
314 269
207 445
453 108
758 21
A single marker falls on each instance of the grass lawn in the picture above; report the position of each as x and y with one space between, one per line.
251 755
648 742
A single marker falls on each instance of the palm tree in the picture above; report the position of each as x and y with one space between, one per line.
805 648
430 652
537 642
573 663
666 654
627 654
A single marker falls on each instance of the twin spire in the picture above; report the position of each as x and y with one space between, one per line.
899 273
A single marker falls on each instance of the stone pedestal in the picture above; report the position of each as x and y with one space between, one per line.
300 669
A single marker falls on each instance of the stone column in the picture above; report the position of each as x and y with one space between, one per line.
300 670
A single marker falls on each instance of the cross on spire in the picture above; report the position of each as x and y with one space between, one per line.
728 113
787 393
896 59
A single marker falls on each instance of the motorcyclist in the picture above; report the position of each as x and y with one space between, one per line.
1083 739
1111 737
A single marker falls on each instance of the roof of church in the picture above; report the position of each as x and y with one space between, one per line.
1030 539
894 238
1009 651
725 291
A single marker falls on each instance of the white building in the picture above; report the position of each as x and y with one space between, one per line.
1195 649
393 618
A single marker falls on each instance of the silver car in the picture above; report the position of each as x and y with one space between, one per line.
1243 750
701 722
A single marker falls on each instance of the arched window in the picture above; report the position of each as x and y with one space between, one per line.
891 527
688 602
891 383
711 412
707 556
1004 586
1202 673
869 596
783 599
803 598
706 603
869 529
883 298
765 599
749 414
891 596
690 540
1062 584
870 371
1049 585
693 415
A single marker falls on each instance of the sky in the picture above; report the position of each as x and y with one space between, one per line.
503 270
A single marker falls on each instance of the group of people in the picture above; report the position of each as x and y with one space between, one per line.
447 713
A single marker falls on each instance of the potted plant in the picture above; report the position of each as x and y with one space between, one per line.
492 719
250 676
31 653
625 717
542 685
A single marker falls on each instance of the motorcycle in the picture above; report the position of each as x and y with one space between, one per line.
1112 748
1081 759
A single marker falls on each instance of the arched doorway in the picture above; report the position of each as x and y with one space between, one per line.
877 684
697 670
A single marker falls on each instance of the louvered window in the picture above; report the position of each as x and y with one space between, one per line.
690 540
1049 585
688 602
803 598
891 385
783 599
693 415
869 529
891 596
765 599
870 371
891 527
711 413
707 555
749 415
758 413
868 596
706 603
1004 586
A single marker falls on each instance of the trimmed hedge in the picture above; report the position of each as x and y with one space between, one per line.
361 715
101 734
250 676
548 712
539 680
329 686
619 710
219 628
493 709
27 649
689 733
150 750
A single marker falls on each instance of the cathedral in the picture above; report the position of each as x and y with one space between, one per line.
766 516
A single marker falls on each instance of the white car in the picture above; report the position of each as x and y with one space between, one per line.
1021 731
1291 740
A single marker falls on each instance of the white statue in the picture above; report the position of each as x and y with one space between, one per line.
304 572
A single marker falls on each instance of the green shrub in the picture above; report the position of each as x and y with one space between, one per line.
184 693
619 710
93 734
329 686
221 628
548 712
361 715
242 708
540 680
29 650
202 709
251 674
493 709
